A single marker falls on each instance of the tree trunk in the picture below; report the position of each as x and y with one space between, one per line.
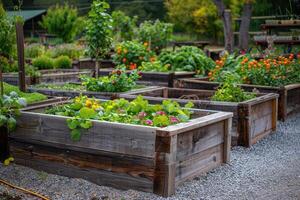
4 148
227 24
244 27
97 68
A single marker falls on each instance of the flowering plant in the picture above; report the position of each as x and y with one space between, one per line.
278 71
83 109
132 54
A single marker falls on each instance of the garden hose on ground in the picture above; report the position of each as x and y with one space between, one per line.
24 190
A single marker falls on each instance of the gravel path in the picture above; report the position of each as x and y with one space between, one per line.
269 170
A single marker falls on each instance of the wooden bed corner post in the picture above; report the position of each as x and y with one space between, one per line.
21 59
171 79
244 125
227 140
165 165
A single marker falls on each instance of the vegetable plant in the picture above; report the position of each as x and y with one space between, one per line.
155 66
156 34
34 50
132 54
187 58
117 81
63 62
124 26
43 62
83 109
9 110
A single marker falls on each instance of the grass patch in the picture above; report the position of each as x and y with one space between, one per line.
30 97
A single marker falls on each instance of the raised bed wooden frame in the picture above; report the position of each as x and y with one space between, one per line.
122 155
72 94
252 119
48 76
288 101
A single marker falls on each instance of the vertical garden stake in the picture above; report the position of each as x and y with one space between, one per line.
21 61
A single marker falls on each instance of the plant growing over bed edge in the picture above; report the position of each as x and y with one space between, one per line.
139 112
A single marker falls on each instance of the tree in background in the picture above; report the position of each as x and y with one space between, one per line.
62 21
99 31
123 26
7 35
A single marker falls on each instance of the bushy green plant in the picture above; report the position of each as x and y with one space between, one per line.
231 92
71 50
83 109
187 58
62 21
43 62
7 35
132 54
10 109
118 81
156 34
7 66
63 62
124 26
34 50
32 71
30 97
155 66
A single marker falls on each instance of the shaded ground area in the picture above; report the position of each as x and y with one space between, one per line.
268 170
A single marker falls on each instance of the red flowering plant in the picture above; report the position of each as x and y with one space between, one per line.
278 71
133 54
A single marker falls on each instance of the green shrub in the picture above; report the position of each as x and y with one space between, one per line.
124 26
71 50
34 50
62 21
43 62
156 66
157 34
63 62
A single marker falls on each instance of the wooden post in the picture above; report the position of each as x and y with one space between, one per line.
4 148
244 28
1 84
21 60
97 68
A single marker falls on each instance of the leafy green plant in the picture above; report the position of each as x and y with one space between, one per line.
139 111
43 62
118 81
99 31
155 66
32 71
124 26
231 92
62 21
132 54
34 50
9 110
30 97
156 34
63 62
66 86
187 58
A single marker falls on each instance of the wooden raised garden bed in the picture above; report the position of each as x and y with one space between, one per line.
48 76
67 93
288 101
156 78
122 155
90 64
252 119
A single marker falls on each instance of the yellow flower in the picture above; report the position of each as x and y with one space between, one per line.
88 103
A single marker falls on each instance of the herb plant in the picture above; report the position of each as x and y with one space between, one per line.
83 109
231 92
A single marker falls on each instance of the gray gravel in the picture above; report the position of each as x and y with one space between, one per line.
268 170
